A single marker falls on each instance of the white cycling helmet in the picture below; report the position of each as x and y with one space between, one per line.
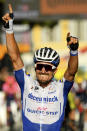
47 55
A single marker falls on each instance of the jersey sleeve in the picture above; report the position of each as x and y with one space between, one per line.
19 75
23 78
67 86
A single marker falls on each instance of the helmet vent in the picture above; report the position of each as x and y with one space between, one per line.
47 55
54 54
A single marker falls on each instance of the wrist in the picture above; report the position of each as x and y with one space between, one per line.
74 53
10 29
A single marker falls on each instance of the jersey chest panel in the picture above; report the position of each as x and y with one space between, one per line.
43 106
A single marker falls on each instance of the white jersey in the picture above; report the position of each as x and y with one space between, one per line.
42 108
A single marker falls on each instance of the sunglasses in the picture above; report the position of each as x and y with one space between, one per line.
47 67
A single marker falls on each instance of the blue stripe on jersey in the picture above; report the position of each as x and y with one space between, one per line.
67 86
19 75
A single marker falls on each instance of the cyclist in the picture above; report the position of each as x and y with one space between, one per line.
43 99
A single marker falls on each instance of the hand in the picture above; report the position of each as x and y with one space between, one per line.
72 42
8 16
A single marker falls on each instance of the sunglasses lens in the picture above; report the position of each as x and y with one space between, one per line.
47 67
39 67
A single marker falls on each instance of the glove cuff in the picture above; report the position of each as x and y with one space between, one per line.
10 29
73 53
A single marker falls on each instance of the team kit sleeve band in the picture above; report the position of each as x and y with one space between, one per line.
8 26
73 53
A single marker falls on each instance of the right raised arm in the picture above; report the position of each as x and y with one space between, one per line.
11 44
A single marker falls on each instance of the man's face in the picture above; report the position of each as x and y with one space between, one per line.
44 72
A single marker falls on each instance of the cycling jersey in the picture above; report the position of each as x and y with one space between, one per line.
42 108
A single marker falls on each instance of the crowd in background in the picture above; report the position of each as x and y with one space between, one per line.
10 98
76 110
10 102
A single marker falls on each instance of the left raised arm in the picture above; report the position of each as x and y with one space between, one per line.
72 43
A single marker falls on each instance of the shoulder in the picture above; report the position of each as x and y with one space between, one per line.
22 74
22 71
63 82
58 83
27 73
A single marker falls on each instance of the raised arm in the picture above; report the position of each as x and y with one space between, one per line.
11 44
72 68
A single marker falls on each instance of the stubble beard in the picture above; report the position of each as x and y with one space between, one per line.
44 83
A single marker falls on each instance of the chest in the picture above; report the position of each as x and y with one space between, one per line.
40 104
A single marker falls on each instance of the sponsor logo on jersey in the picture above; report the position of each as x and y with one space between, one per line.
42 112
50 92
42 99
27 73
61 80
42 108
36 88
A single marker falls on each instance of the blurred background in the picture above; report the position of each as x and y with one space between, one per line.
40 23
